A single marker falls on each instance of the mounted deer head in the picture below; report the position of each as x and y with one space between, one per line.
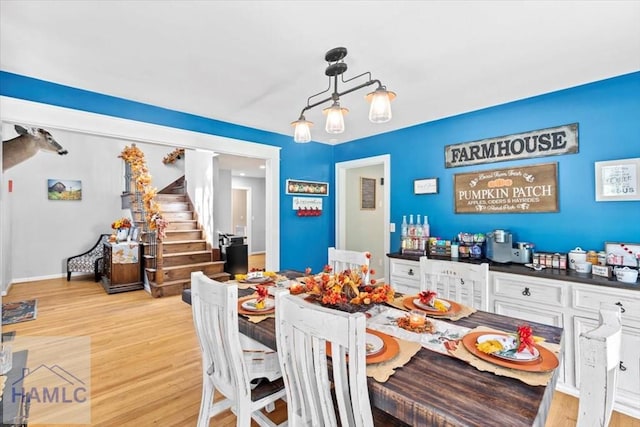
27 145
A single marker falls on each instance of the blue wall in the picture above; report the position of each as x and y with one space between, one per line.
608 114
608 117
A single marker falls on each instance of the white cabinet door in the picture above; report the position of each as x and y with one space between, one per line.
530 312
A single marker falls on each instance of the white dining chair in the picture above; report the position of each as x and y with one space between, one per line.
215 316
342 259
462 282
599 365
302 331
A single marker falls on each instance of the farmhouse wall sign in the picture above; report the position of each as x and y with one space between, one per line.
524 189
537 143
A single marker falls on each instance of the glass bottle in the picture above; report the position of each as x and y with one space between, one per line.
425 228
404 229
411 228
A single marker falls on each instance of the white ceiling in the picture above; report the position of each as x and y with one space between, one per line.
255 63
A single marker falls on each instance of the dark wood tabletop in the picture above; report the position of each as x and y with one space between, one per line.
438 390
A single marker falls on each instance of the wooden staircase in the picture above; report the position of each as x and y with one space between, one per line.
182 251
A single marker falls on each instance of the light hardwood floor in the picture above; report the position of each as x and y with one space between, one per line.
256 261
145 360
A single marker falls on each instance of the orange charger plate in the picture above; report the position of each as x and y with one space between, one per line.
545 363
391 348
453 308
241 310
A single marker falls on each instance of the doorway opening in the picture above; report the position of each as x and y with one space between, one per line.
359 226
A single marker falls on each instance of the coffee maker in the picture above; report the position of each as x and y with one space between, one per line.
499 246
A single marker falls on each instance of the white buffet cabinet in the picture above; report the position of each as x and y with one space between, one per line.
567 304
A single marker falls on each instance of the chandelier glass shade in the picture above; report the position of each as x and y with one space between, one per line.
301 130
380 99
380 110
335 118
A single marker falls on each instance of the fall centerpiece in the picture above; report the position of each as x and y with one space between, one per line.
345 290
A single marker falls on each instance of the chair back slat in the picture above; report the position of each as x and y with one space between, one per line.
215 315
302 332
462 282
599 366
341 259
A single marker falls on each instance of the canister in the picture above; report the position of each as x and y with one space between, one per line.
592 257
575 256
563 261
602 258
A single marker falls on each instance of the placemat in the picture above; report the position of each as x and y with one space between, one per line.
465 310
382 371
259 318
530 378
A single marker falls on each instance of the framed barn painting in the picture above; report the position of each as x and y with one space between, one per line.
64 189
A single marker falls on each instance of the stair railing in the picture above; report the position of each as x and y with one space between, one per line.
153 245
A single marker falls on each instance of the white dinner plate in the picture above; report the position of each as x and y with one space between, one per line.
426 307
250 304
509 343
374 344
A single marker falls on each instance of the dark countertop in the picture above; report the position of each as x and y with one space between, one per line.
547 273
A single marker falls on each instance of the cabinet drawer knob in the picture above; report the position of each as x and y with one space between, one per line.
619 304
622 367
410 273
526 292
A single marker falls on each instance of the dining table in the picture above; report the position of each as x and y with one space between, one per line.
435 389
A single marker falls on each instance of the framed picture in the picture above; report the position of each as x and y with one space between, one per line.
425 186
134 234
64 189
367 193
295 186
618 180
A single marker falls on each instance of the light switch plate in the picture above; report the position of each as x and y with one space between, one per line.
392 227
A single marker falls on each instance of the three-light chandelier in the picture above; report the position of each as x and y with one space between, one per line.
380 99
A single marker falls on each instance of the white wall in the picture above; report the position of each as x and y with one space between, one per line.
258 232
223 210
46 232
199 173
365 229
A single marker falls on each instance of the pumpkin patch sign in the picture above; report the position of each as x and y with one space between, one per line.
525 189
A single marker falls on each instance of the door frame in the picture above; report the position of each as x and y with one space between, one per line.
341 169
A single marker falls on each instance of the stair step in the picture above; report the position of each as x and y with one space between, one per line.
173 206
184 271
175 246
184 258
173 235
177 216
183 224
166 197
175 287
